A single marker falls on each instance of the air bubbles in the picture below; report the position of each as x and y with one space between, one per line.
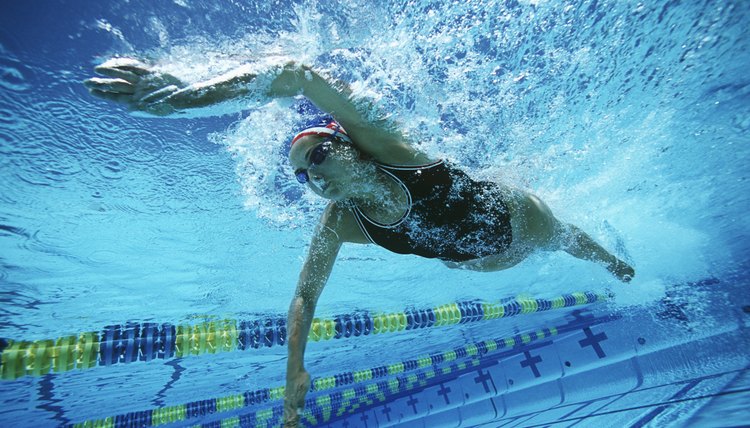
103 257
112 170
12 79
258 145
103 24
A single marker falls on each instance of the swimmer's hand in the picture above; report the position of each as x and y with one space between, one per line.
297 385
140 87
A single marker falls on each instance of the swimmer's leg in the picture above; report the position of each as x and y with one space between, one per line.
536 226
492 263
577 243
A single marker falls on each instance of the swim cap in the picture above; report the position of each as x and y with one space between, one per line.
327 127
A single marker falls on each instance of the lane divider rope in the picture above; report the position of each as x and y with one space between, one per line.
122 344
326 408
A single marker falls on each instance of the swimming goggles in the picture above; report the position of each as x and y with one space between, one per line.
318 155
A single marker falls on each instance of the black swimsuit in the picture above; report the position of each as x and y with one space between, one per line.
449 216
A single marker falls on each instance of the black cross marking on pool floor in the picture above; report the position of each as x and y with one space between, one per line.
387 412
532 362
413 403
444 392
593 341
483 378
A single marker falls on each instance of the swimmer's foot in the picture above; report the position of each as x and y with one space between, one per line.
623 271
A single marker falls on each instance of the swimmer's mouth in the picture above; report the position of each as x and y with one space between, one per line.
322 185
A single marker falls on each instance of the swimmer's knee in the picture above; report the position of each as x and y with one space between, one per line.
545 227
564 230
566 235
536 225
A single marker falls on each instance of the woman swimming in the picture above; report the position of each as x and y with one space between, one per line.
381 189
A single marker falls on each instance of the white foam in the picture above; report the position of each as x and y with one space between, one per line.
556 127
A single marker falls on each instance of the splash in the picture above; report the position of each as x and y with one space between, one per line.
579 104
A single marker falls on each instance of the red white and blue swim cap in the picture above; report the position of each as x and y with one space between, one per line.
326 127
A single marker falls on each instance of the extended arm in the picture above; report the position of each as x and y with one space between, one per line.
144 89
315 272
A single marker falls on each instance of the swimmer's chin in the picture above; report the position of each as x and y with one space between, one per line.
332 194
327 191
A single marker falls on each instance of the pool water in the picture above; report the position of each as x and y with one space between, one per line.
146 264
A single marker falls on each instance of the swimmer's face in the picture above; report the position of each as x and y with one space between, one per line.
331 166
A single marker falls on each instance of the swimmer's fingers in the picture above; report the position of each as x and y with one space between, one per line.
155 108
112 96
123 65
117 86
142 76
144 91
135 72
117 73
159 94
136 84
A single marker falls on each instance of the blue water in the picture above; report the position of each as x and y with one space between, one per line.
631 120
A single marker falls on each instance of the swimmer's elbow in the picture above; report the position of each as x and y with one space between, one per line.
293 78
296 66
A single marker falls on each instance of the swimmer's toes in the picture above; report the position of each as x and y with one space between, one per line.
623 271
626 273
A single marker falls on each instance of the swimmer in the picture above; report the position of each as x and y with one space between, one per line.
381 189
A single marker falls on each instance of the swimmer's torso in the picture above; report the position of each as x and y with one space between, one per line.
449 216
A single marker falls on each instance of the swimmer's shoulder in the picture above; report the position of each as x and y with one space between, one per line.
339 217
388 147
